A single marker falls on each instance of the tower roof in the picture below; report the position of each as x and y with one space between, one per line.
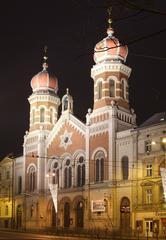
43 80
109 48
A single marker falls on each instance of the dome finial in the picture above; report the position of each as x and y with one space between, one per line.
109 10
45 65
110 30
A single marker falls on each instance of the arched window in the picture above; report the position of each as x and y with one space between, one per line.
125 168
32 179
66 103
99 165
81 172
33 116
112 88
123 89
55 174
51 116
99 89
67 174
42 115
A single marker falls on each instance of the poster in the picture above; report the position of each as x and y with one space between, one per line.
98 206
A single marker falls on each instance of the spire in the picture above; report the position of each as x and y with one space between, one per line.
110 30
45 65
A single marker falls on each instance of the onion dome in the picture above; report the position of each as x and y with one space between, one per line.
110 49
43 80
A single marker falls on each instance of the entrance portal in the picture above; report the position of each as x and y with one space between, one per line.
54 217
80 215
66 214
125 215
19 217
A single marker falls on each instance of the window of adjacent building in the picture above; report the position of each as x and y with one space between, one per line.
6 192
19 184
7 174
6 210
149 170
32 179
99 89
161 193
149 226
42 115
99 165
112 88
148 196
81 172
125 168
67 174
148 146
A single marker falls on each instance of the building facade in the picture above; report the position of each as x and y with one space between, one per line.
102 174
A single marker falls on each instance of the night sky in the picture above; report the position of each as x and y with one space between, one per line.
71 29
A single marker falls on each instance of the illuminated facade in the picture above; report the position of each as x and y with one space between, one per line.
106 170
11 186
6 170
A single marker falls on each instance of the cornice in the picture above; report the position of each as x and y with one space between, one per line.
110 67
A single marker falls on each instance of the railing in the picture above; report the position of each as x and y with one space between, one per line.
152 207
96 233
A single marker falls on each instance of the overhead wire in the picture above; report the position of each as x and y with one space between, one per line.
150 10
148 56
133 167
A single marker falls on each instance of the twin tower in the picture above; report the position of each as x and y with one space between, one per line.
110 75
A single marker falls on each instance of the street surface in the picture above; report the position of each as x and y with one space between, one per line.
30 236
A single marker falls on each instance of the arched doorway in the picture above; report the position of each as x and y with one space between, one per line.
19 217
53 216
80 215
125 214
66 214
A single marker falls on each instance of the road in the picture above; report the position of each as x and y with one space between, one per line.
29 236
